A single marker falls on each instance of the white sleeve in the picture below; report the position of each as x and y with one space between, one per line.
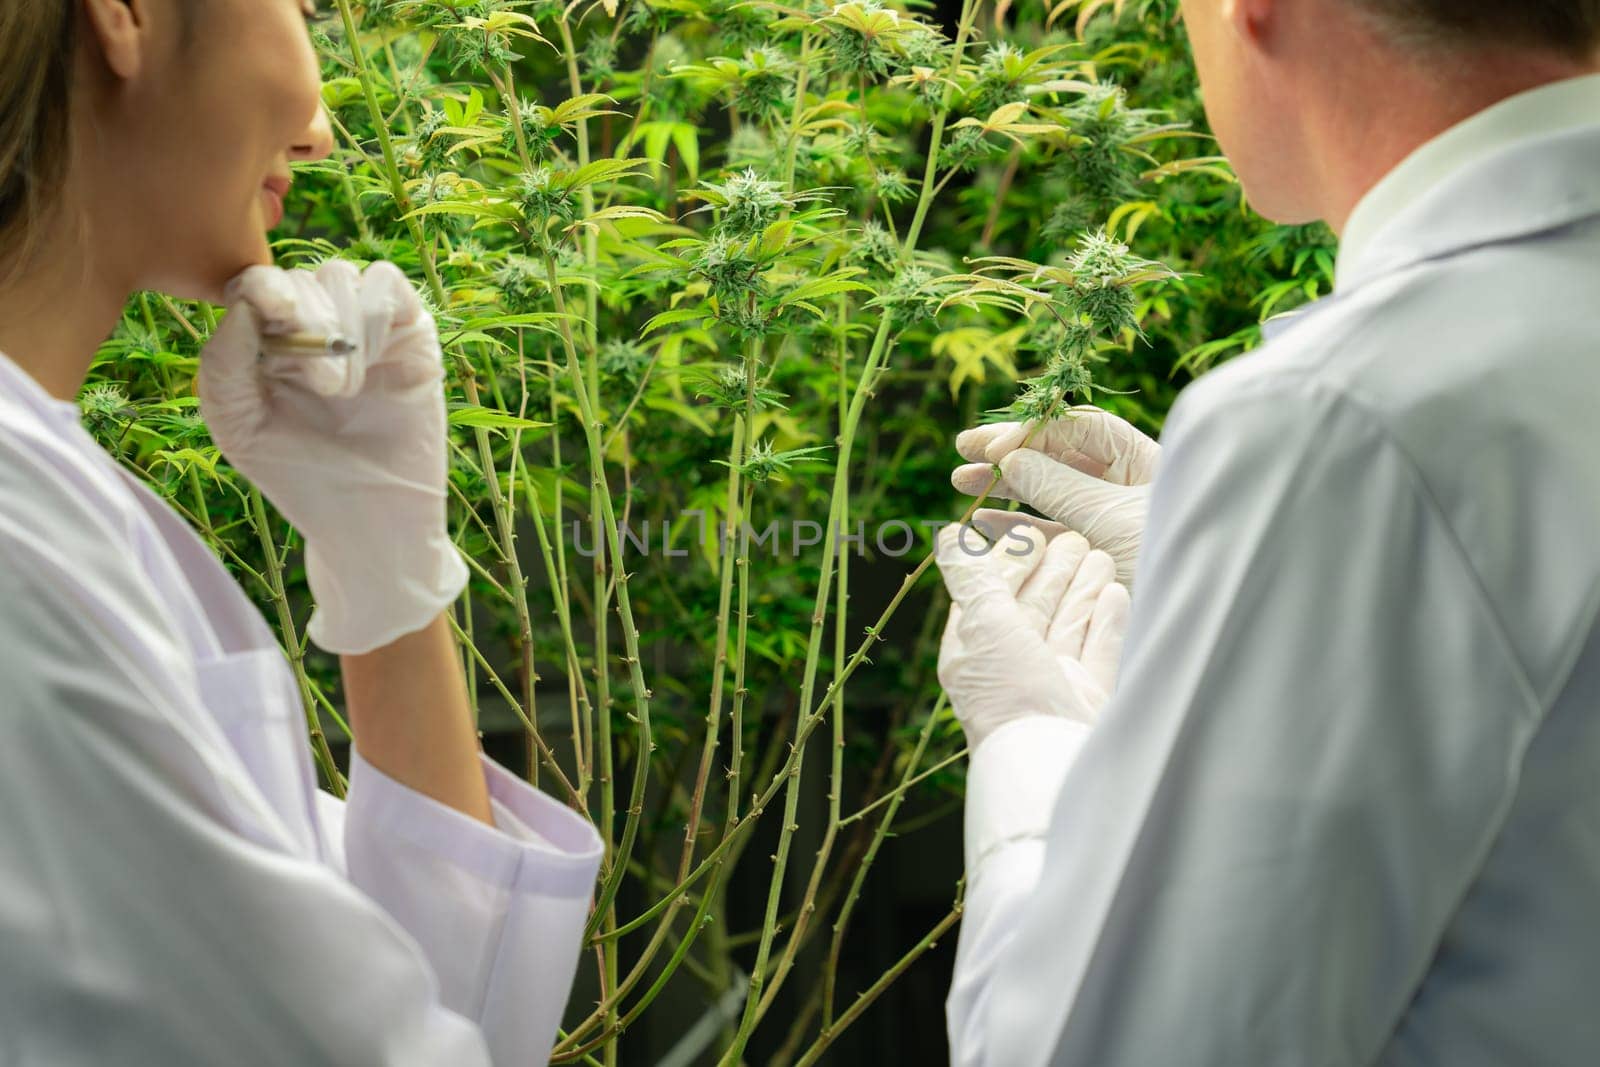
1314 742
499 911
146 920
1013 779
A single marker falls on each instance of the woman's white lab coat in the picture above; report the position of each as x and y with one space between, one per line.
173 888
1344 807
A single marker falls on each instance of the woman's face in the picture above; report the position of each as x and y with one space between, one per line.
186 150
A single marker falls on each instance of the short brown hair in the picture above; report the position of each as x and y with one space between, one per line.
37 39
1568 27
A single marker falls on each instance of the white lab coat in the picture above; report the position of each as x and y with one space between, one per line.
173 888
1344 807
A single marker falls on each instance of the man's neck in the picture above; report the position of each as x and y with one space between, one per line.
1368 130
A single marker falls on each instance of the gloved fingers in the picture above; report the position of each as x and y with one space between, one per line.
387 285
269 292
979 479
996 524
412 345
995 628
1041 594
1084 696
1086 438
950 643
1070 622
1077 500
291 302
340 279
974 444
1108 627
233 398
975 568
334 286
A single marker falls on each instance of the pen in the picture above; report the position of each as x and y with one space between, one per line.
306 345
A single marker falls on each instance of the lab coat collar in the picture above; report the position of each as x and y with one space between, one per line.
1522 167
22 387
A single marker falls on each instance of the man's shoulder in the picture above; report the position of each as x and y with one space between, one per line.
1492 343
1479 375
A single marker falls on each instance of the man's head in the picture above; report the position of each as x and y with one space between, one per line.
1564 27
1314 100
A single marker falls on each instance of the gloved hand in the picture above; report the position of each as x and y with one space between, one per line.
351 449
1036 628
1089 470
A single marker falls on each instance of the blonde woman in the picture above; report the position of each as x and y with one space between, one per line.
173 888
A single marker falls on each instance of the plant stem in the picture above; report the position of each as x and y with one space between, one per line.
865 1000
280 602
905 786
831 970
630 633
836 776
732 518
841 481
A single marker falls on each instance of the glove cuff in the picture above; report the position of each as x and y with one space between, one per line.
1013 780
368 601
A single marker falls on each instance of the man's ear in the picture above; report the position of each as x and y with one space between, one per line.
121 28
1253 20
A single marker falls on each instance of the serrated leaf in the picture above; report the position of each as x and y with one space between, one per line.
626 211
473 209
821 287
602 170
687 140
488 418
672 318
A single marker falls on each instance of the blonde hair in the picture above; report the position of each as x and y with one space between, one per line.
37 45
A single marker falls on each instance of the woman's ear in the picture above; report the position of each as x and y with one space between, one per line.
121 28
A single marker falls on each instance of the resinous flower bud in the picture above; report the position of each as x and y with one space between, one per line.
748 203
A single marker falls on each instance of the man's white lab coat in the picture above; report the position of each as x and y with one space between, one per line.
174 890
1344 807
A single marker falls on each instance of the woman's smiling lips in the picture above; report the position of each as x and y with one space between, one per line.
274 189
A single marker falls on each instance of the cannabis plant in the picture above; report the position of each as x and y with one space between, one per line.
717 283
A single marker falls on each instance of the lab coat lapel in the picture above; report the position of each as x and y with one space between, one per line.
245 680
1531 187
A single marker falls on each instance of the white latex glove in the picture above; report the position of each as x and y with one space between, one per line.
1036 627
1088 470
351 449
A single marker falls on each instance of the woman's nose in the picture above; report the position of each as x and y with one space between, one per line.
317 142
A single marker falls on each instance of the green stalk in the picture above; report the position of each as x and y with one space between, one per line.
601 586
586 200
865 1000
505 525
516 708
425 251
831 970
836 777
799 107
736 728
835 515
900 790
280 603
577 691
563 592
743 425
397 186
616 1025
630 633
